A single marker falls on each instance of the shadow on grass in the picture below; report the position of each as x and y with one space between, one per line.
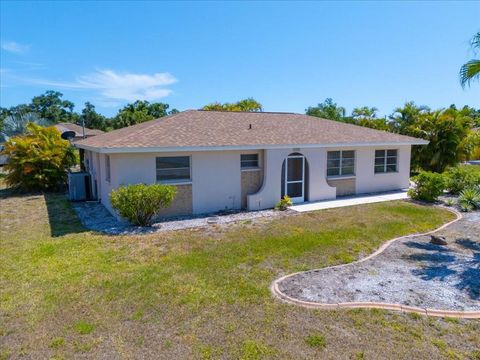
62 217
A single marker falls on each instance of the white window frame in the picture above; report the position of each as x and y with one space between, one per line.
174 181
340 174
385 161
107 168
246 168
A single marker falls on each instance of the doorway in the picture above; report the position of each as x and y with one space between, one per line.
294 175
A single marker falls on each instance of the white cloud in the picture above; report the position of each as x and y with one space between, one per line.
120 86
14 47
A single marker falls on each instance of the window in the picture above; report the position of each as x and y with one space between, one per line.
249 161
107 168
341 163
385 161
173 168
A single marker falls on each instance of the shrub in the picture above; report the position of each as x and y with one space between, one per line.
449 202
428 186
316 341
140 203
462 177
38 160
469 199
284 203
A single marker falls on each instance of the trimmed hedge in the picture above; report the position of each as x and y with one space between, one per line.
140 203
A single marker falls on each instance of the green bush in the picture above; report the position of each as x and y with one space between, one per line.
284 203
140 203
462 177
469 199
38 160
316 341
428 186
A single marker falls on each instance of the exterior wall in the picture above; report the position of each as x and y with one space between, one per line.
217 182
344 186
215 179
251 182
368 181
181 205
270 192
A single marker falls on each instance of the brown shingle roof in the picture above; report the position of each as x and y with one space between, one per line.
62 127
194 129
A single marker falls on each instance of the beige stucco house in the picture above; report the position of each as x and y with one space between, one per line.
239 160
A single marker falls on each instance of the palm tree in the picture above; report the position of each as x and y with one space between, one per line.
471 70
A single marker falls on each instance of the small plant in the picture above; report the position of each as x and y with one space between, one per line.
475 355
460 178
428 186
469 199
316 341
83 328
140 203
449 202
56 343
284 203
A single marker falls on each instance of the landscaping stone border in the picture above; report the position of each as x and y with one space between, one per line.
377 305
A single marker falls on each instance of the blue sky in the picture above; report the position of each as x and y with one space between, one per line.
287 55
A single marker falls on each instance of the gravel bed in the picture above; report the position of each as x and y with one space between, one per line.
411 272
95 216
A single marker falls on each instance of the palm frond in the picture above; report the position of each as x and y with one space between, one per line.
469 72
475 42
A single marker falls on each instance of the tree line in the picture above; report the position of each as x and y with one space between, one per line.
452 132
50 108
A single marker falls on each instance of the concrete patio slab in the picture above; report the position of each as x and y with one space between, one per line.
350 201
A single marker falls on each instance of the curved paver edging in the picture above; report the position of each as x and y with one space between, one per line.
377 305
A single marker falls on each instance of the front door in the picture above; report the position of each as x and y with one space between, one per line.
295 178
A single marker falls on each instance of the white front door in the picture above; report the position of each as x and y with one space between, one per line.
295 178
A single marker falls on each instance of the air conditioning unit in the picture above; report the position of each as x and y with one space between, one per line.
79 186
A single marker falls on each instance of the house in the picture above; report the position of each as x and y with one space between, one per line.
246 160
78 130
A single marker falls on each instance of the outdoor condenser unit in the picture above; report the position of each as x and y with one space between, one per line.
79 186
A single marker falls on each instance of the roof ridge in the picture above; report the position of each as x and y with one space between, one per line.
249 112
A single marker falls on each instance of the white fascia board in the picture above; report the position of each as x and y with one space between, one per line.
104 150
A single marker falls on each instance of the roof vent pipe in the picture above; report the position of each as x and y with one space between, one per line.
250 127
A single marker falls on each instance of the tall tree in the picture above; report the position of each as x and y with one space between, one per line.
407 116
249 104
447 131
367 117
17 122
92 119
471 70
50 106
327 110
140 111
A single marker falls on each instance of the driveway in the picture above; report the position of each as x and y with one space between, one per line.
410 272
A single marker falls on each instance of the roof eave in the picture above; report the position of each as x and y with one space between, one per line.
119 150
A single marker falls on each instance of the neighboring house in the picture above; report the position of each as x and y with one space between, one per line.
64 127
234 160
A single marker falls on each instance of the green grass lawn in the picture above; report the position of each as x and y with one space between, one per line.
202 294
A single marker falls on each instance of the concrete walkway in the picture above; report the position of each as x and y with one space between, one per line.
351 200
